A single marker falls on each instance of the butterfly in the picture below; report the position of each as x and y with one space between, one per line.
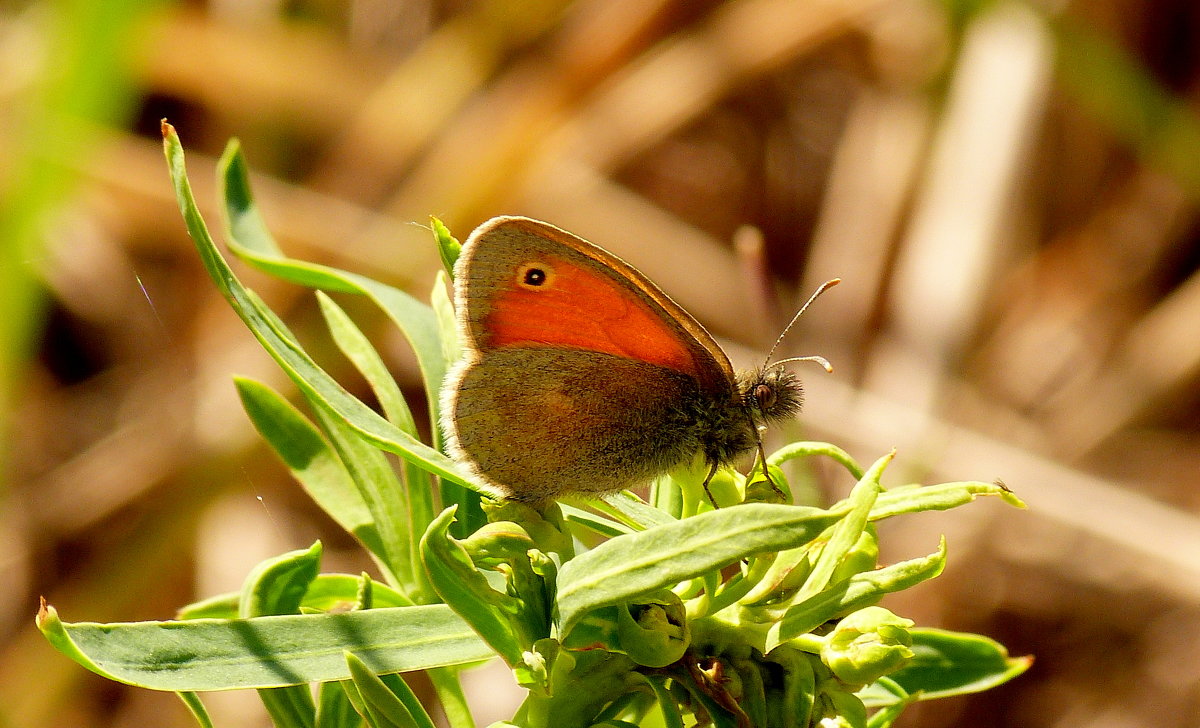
579 375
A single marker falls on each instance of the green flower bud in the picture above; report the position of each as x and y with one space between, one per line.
761 490
653 631
546 527
726 488
541 664
496 543
866 645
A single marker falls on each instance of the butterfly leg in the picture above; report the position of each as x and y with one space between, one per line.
711 472
762 458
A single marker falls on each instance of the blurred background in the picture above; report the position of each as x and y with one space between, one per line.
1008 189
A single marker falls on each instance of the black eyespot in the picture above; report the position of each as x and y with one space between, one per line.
535 277
535 274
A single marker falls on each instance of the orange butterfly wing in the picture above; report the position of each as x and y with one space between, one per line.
580 310
590 300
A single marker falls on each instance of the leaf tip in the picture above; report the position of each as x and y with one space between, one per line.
45 613
1007 494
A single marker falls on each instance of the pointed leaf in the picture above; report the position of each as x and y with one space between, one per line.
915 498
948 663
196 708
353 343
282 346
390 704
450 693
310 459
211 654
448 247
384 496
858 591
278 585
641 563
251 240
334 709
465 589
847 531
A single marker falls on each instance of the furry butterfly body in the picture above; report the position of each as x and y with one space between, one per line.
580 376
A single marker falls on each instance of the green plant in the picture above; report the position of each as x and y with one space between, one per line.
755 614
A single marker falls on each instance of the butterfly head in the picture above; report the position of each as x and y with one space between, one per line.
770 394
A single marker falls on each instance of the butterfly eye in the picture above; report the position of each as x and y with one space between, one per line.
534 275
764 396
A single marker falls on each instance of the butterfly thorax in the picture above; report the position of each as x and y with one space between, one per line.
726 426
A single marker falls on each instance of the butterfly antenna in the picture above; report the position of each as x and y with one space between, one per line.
818 359
823 287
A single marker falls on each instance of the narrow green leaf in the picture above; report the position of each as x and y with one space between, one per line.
916 498
196 708
672 717
465 589
210 654
287 352
660 557
887 716
336 591
415 498
448 247
450 693
356 701
334 709
633 510
742 583
948 663
858 591
808 449
251 240
594 521
793 705
289 707
847 531
666 496
311 460
443 311
399 688
277 585
357 348
219 606
388 708
328 592
384 496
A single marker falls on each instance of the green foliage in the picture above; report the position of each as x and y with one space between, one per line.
754 614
